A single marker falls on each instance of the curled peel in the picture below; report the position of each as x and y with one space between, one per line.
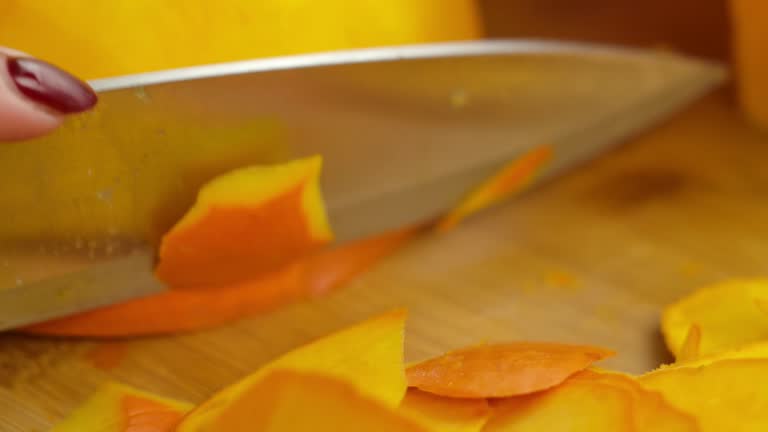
246 223
442 414
725 395
650 410
502 370
291 401
691 345
728 315
573 406
367 356
758 350
193 309
512 178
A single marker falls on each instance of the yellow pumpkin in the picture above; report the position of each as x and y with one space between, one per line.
96 38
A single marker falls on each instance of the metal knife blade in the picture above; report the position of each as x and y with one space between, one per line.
404 132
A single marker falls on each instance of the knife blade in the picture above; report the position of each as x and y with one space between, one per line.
405 132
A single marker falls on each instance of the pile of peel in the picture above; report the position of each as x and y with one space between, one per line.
221 258
356 380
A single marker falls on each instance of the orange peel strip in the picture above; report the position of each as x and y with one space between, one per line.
367 356
512 178
185 310
502 370
246 223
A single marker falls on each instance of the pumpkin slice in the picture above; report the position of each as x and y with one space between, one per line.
512 178
573 406
728 316
290 401
441 414
119 408
246 223
727 395
651 412
502 370
368 356
185 310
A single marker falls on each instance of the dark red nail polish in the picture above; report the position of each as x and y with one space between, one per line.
48 85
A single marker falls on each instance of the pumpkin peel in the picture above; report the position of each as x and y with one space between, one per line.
573 406
441 414
726 395
502 370
650 410
288 401
186 310
692 344
728 314
368 356
758 350
512 178
246 223
116 407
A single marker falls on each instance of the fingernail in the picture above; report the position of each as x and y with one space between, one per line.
48 85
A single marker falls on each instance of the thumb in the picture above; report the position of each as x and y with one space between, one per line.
35 96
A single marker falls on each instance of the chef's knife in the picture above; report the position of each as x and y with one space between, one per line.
405 132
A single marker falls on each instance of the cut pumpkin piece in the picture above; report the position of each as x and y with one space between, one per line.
291 401
246 223
441 414
492 371
186 310
512 178
728 395
573 406
368 356
120 408
728 315
650 411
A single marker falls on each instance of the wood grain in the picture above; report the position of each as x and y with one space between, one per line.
589 258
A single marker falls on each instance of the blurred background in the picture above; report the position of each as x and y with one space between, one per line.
103 38
697 27
97 38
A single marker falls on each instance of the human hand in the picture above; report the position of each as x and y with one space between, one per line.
35 96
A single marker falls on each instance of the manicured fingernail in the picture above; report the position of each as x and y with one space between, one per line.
48 85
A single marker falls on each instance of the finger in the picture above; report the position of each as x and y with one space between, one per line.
35 96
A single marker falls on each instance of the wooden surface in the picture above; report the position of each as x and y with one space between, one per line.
589 258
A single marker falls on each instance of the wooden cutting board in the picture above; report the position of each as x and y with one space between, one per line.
588 258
